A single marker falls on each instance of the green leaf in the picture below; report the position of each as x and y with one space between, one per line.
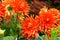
12 32
9 38
40 37
46 37
59 29
1 38
15 18
54 34
32 38
56 38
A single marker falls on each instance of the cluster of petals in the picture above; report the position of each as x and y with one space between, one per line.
2 10
30 27
48 18
45 21
17 5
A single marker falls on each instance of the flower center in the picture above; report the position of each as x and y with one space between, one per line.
47 20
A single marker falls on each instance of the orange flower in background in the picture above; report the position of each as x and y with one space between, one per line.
2 10
54 11
46 20
18 5
30 27
58 20
56 14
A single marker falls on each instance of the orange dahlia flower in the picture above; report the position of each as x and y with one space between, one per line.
56 14
54 11
46 20
58 20
2 10
30 27
18 5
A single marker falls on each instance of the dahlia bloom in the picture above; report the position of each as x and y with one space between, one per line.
56 14
2 10
30 27
46 19
54 11
18 5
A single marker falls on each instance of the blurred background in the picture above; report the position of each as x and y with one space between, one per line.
36 5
